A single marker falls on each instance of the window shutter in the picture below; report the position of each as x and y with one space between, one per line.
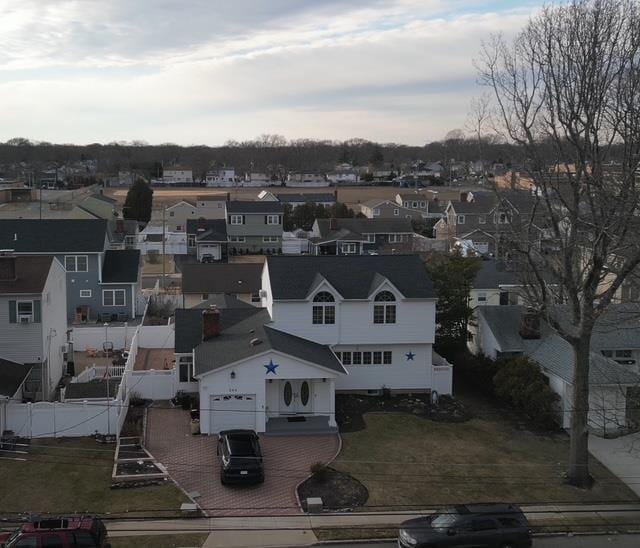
280 219
244 220
229 219
266 220
37 314
13 313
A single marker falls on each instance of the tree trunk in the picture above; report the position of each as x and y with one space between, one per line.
578 474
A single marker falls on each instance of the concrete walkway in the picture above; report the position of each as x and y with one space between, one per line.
250 532
621 456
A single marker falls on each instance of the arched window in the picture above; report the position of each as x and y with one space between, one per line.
324 309
383 310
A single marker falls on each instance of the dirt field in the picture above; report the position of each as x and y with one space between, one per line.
347 194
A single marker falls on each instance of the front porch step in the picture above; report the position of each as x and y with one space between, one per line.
308 426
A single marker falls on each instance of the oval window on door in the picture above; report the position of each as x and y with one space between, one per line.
304 393
288 393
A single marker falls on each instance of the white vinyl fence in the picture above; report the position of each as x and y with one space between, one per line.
442 379
154 385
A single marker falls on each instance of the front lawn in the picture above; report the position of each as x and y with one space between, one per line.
159 541
407 460
69 476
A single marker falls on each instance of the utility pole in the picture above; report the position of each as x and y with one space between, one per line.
164 267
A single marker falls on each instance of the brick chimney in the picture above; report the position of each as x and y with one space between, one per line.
210 323
530 324
464 196
333 225
7 266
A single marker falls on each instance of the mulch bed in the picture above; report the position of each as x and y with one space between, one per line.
350 408
338 491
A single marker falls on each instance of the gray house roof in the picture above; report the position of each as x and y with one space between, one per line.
306 198
263 206
253 336
354 277
92 389
188 325
327 227
222 278
208 230
12 375
493 274
31 276
551 351
52 236
121 266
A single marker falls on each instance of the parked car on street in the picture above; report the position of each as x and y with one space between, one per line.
72 532
240 457
498 525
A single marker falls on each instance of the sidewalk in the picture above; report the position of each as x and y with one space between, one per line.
297 530
621 456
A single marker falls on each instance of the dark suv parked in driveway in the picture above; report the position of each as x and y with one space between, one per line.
482 525
240 457
73 532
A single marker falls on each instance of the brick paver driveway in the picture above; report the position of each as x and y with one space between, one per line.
193 464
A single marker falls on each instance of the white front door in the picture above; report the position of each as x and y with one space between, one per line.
295 396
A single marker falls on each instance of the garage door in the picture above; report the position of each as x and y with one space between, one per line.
209 249
233 411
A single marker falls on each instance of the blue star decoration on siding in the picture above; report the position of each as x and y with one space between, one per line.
271 367
410 356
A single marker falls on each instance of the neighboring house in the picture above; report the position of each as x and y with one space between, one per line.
33 325
13 376
225 176
151 238
81 246
177 175
344 174
307 180
255 179
121 289
201 282
495 284
427 204
359 236
509 331
326 199
101 206
177 215
485 219
350 324
207 239
254 227
387 209
211 207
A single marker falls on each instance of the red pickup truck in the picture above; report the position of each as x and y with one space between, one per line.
73 532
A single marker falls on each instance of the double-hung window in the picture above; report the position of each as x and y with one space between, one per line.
324 309
348 248
272 219
384 309
236 219
113 297
76 263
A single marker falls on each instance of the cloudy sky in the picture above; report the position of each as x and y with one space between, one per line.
205 71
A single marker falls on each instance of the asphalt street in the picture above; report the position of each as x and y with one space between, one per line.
581 541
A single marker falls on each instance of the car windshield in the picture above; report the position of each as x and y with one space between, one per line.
241 447
444 518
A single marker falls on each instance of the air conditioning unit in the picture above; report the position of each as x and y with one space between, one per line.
24 318
263 293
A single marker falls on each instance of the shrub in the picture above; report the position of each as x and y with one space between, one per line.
520 383
319 470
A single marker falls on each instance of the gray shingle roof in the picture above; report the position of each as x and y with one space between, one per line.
223 301
188 324
234 344
92 389
263 206
53 235
365 226
352 276
222 278
208 230
12 375
31 276
493 274
121 266
551 351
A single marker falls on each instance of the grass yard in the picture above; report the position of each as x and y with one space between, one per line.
160 541
405 460
75 476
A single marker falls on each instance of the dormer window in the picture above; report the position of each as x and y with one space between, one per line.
324 308
384 309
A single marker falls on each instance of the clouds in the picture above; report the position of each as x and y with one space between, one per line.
208 71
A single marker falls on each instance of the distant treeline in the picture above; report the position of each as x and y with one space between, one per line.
266 154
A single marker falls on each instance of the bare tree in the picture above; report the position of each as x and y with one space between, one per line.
567 93
477 124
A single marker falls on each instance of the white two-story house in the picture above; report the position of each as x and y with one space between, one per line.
363 324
